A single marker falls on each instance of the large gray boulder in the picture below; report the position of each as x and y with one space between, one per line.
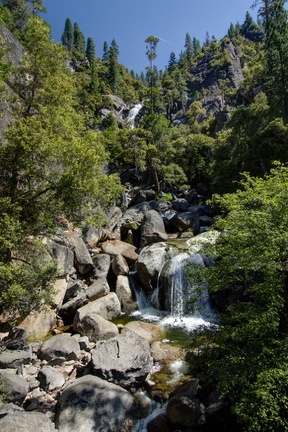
93 326
14 387
119 265
14 359
63 255
50 378
26 422
62 345
82 258
125 359
102 265
152 229
116 247
124 294
91 404
107 307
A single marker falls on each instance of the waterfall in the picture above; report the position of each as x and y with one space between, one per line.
181 288
130 119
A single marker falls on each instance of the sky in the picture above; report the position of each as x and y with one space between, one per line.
130 22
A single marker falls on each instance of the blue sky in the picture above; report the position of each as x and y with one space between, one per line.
130 22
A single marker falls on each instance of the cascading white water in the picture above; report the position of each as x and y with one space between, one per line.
181 289
130 119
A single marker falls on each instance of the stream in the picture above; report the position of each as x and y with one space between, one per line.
178 323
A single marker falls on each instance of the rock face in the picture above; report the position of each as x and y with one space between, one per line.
206 75
124 359
91 404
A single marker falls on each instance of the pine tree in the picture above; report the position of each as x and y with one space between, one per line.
189 48
79 42
113 67
105 51
90 50
172 63
275 21
196 46
67 37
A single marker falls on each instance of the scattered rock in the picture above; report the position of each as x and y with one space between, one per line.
50 378
26 422
62 345
14 387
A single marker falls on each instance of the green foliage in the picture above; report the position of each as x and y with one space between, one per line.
50 164
248 354
251 142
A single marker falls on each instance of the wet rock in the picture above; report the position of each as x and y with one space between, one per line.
151 260
185 411
148 331
91 404
160 424
124 359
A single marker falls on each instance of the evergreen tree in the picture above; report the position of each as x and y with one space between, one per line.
189 51
196 46
78 42
172 63
113 66
67 37
90 50
105 51
276 51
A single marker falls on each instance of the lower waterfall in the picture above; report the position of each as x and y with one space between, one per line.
180 310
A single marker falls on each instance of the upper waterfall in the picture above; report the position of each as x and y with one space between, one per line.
130 119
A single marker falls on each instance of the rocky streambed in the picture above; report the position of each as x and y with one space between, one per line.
91 377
